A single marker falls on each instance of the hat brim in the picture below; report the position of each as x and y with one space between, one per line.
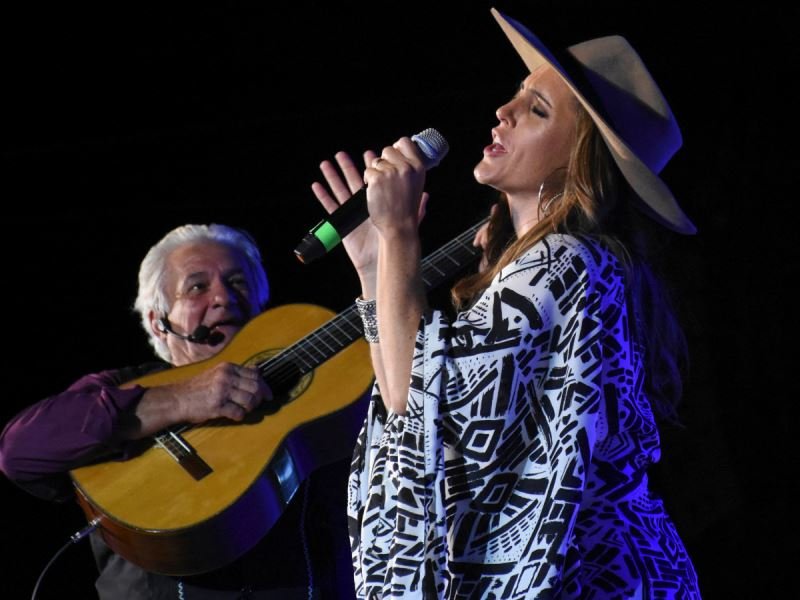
657 197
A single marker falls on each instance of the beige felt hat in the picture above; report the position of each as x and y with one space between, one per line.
633 117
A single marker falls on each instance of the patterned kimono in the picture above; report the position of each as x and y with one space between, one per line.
519 469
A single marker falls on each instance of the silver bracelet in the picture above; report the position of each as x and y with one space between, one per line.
366 309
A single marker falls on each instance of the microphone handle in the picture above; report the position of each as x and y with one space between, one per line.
329 232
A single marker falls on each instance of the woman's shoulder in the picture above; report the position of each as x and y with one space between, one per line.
559 251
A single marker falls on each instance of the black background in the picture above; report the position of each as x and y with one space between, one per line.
122 122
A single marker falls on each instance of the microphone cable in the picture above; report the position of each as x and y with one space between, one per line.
73 539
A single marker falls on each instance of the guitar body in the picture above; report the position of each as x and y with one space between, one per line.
157 515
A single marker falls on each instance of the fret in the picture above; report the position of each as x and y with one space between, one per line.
322 340
336 325
291 350
438 270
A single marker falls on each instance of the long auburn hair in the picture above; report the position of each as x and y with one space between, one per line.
596 201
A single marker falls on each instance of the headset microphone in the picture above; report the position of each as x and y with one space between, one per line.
201 335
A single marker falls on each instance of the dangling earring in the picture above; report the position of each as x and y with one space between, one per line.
545 208
549 203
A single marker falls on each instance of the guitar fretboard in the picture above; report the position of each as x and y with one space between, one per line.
346 327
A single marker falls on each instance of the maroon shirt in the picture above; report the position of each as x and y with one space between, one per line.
45 441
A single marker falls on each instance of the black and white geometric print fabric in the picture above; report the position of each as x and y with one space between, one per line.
519 469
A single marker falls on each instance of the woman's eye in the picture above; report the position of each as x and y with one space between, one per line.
538 111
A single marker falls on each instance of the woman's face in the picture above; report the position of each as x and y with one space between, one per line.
533 140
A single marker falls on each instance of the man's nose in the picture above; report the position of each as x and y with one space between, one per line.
223 295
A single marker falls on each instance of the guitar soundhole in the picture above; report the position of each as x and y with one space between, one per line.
285 379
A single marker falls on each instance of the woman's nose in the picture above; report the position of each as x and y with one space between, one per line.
505 114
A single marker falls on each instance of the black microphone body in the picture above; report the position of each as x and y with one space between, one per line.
201 334
330 231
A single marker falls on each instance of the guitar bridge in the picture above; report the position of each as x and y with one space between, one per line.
183 453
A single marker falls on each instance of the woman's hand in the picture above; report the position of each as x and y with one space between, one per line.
362 243
394 188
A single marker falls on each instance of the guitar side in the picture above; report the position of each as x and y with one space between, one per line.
155 514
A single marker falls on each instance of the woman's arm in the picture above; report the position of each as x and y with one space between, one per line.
396 204
362 243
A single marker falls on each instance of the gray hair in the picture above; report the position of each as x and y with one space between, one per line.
153 297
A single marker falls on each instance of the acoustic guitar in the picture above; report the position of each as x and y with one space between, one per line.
197 498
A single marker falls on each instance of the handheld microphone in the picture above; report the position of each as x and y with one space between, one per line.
327 234
201 334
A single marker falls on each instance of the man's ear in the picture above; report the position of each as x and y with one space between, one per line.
157 325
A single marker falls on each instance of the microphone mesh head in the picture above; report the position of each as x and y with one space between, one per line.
432 145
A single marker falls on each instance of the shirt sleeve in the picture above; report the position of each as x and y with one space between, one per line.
65 431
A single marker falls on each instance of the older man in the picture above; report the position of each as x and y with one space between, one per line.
198 286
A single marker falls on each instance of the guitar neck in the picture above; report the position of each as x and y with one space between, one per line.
346 327
450 258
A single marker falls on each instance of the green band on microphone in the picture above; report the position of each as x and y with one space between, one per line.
326 234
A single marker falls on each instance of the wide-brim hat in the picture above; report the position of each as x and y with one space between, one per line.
619 94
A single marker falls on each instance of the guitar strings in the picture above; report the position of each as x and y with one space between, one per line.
283 367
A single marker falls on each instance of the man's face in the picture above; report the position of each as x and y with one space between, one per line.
206 283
